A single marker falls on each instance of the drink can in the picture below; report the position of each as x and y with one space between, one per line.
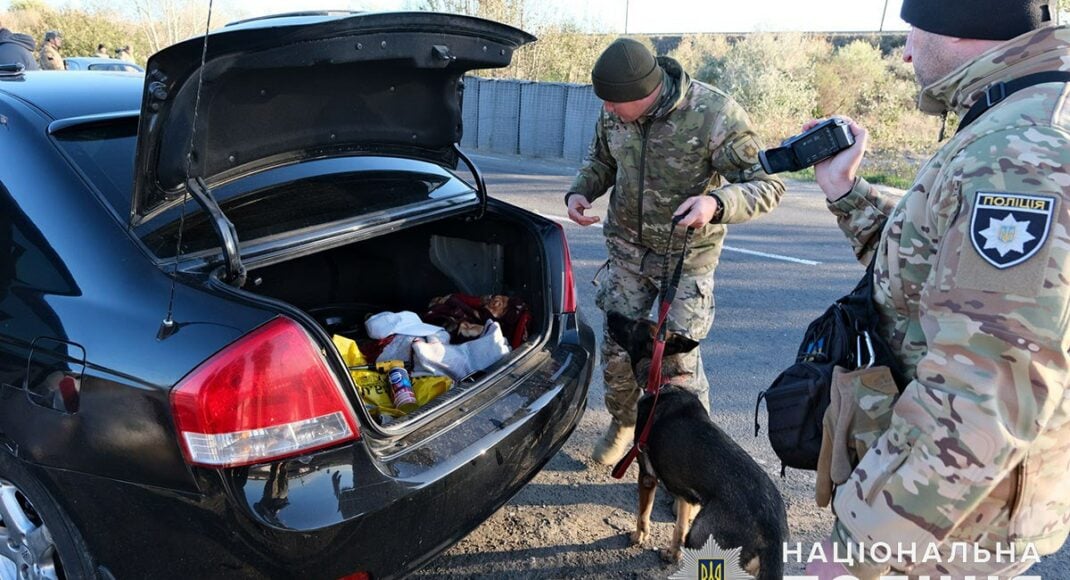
401 390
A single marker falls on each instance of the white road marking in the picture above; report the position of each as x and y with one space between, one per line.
726 247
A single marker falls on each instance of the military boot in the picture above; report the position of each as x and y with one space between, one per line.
614 444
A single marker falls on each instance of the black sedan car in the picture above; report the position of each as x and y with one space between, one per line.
179 249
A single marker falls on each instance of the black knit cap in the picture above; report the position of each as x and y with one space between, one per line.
979 19
626 71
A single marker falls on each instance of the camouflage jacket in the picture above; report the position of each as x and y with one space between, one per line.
696 141
972 285
50 58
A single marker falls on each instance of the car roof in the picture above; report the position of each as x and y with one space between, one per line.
98 92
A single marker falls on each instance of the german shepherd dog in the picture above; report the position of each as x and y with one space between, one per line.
701 466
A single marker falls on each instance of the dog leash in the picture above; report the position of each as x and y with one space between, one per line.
653 381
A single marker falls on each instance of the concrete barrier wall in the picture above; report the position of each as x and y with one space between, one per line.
550 120
581 114
542 119
499 116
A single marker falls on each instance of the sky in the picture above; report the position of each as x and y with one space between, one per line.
669 16
642 16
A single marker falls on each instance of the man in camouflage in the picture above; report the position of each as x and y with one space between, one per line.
973 287
666 145
49 57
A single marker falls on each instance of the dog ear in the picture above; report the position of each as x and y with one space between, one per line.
677 344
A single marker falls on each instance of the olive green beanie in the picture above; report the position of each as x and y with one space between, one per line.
626 71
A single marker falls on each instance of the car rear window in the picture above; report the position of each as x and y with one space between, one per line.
105 153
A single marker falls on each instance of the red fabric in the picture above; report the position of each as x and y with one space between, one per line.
464 316
371 349
520 333
469 300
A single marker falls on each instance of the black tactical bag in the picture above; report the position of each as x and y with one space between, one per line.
846 336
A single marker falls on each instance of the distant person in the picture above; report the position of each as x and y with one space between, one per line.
17 48
123 54
102 51
49 56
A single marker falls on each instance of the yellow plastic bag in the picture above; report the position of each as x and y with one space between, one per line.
374 385
350 352
375 390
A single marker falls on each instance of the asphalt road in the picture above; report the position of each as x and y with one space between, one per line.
777 273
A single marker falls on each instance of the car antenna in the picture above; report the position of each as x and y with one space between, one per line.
168 326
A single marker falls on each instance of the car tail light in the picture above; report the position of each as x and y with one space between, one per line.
568 293
268 396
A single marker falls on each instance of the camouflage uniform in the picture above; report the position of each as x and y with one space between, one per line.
49 58
972 285
695 141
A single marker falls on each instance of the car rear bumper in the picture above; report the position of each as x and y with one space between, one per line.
342 510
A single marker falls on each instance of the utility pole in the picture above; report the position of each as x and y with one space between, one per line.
626 2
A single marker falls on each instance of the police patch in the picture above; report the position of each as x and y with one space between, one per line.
1009 228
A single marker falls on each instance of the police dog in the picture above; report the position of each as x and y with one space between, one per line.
701 466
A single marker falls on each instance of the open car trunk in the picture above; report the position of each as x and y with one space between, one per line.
405 270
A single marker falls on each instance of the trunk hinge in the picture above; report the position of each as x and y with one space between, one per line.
228 236
481 185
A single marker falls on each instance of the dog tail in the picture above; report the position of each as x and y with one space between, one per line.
771 560
772 554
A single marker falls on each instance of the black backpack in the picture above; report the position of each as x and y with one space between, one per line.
846 336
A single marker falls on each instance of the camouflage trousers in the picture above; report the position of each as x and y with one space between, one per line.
630 287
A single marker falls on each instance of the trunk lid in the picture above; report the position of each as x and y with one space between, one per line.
280 90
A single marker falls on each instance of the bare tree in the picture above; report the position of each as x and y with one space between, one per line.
166 22
510 12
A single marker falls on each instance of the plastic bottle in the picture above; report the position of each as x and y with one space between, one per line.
401 392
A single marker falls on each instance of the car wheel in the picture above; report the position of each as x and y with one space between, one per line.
37 540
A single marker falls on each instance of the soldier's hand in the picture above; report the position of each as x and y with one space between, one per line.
577 204
697 211
836 176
